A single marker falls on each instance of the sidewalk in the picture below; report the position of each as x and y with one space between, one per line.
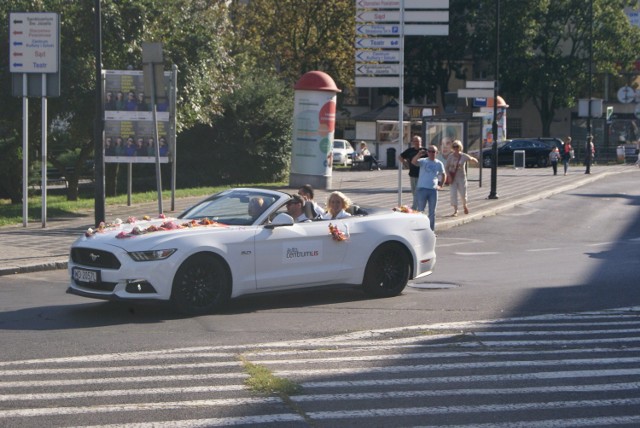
34 248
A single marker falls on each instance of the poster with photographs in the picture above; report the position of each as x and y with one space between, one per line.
442 135
129 127
133 141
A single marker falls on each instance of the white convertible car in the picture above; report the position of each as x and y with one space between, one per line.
224 247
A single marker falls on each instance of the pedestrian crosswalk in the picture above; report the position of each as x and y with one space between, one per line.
541 371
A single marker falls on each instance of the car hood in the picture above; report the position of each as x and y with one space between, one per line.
147 233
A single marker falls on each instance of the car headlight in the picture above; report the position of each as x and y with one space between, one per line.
148 256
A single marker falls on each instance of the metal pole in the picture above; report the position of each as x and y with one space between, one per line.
172 96
156 138
494 126
401 102
99 202
25 152
44 151
589 132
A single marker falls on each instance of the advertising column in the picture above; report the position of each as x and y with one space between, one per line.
314 119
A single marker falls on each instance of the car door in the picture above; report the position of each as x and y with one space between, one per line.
299 254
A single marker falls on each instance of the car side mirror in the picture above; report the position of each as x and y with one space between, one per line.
282 219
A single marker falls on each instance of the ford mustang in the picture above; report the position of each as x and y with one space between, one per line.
242 241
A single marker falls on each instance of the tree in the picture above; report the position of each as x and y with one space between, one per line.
199 47
298 36
545 49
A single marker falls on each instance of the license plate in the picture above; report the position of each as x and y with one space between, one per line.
85 275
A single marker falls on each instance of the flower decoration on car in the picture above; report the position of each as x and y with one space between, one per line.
336 233
140 230
404 209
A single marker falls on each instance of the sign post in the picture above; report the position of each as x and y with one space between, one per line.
381 26
34 48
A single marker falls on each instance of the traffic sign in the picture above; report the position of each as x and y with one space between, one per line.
409 16
475 93
379 43
363 55
408 4
378 30
33 42
377 69
426 30
378 82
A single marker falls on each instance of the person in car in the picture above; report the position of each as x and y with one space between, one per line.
311 208
256 207
337 205
295 210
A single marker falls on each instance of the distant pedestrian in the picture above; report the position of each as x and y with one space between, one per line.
432 174
365 155
590 152
405 157
567 154
455 167
554 157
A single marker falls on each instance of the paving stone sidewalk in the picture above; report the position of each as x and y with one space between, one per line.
34 248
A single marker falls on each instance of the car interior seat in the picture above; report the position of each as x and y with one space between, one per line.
308 210
356 210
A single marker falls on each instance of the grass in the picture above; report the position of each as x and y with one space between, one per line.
263 381
58 205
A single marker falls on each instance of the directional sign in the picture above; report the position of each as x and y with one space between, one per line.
377 69
377 82
34 42
378 30
380 43
377 56
409 16
426 30
475 93
408 4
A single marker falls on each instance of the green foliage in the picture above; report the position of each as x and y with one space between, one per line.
10 166
251 141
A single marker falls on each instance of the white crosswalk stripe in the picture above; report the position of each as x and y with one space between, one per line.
544 371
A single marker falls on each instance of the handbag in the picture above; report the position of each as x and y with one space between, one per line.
451 175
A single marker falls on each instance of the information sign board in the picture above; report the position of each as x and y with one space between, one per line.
34 42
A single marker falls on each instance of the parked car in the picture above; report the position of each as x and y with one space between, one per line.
221 248
536 152
342 152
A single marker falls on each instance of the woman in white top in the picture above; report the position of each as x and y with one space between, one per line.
455 167
337 205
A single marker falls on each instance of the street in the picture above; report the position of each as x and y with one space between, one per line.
530 319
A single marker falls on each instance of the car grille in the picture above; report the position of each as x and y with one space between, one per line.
94 258
98 286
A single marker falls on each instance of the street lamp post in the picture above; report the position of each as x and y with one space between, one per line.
99 196
589 132
493 194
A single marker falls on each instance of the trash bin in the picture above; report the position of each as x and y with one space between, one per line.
391 157
620 152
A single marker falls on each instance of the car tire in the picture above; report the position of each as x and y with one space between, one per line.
201 285
387 271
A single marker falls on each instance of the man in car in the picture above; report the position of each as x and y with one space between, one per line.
295 210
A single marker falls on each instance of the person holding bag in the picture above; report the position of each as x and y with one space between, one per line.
457 176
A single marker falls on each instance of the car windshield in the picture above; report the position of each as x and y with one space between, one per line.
236 207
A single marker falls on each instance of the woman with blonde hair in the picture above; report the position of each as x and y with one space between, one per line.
337 205
455 167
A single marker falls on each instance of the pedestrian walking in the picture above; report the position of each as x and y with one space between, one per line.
554 157
432 175
567 154
405 157
457 176
590 152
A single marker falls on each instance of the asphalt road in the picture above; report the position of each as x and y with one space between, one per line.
453 349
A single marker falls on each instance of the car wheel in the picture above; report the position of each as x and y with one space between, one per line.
387 271
542 162
201 285
486 161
